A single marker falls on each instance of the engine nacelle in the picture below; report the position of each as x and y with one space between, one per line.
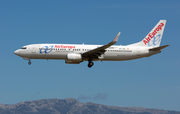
73 58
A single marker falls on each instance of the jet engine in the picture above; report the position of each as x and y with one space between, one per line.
73 58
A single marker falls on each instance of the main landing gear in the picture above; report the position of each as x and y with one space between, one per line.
90 64
29 62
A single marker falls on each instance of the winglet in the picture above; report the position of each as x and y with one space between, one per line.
116 38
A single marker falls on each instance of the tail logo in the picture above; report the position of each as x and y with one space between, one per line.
152 35
155 40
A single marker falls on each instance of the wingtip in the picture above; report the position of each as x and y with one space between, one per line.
116 38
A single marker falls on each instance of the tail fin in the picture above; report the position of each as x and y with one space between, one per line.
153 38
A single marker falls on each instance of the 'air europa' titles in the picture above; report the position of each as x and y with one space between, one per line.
151 35
62 46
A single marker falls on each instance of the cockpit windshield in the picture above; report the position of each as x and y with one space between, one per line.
23 48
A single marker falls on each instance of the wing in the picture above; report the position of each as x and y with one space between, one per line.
95 53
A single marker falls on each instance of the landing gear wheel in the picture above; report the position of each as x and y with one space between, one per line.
29 63
90 64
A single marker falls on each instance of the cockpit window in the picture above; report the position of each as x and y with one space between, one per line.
23 48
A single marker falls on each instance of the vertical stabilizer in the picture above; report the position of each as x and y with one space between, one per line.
153 38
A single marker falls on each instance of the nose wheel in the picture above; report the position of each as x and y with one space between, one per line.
29 62
90 64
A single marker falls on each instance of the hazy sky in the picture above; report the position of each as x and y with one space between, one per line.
152 82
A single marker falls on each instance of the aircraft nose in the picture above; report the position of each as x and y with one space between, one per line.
17 52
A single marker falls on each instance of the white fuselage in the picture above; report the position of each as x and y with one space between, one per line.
60 51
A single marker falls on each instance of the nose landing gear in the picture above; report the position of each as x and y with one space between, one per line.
29 62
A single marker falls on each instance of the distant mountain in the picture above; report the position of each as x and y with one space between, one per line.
72 106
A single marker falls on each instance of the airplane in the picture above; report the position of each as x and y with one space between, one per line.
77 53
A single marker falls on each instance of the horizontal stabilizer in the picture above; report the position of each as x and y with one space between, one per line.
158 48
